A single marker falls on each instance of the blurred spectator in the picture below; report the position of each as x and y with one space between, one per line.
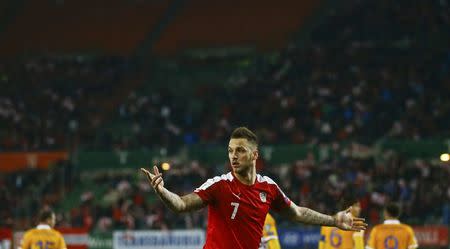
46 102
120 200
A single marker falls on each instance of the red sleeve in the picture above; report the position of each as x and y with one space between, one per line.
281 201
208 190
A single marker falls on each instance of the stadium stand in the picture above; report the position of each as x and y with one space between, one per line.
390 78
228 23
373 70
113 27
47 101
121 199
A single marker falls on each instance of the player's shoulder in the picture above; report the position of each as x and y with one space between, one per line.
377 227
216 180
389 226
325 229
269 219
406 227
56 232
224 177
265 180
269 185
30 232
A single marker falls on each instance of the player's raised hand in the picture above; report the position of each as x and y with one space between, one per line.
154 179
345 221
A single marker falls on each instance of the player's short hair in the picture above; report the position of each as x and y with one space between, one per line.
393 209
244 132
45 214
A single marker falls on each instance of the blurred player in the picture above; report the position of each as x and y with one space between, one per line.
335 238
392 234
43 236
239 201
269 239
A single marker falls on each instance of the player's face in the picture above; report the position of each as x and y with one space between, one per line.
356 209
242 154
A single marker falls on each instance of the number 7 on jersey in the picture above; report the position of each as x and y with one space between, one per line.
236 206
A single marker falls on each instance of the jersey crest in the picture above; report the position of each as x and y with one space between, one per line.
262 196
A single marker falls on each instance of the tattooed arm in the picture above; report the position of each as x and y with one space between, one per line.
176 203
186 203
342 219
308 216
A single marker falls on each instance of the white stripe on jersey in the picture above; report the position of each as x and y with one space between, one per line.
211 181
267 179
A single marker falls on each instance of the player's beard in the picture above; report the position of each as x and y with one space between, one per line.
242 169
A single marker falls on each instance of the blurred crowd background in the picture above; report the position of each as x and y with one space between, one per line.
368 71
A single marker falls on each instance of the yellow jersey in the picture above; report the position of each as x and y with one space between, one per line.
269 239
392 235
335 238
42 237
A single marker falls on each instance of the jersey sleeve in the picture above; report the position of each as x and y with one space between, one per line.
270 228
322 238
270 235
358 240
281 201
209 190
273 244
62 242
25 242
412 243
371 240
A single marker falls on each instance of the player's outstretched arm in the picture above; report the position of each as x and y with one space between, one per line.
342 220
176 203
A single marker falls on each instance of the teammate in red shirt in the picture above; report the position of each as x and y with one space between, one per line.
239 201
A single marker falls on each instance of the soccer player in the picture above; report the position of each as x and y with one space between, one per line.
239 201
269 239
392 234
43 236
335 238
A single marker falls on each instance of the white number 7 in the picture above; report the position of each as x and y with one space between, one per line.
235 205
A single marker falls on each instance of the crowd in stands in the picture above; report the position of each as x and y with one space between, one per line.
368 72
23 192
46 101
123 199
373 69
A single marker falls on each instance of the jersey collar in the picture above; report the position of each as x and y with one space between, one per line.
242 184
43 226
392 221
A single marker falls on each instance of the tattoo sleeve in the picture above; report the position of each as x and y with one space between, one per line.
179 204
308 216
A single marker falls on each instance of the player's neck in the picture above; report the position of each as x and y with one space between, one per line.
248 177
390 218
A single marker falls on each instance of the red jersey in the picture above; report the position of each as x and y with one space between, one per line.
236 212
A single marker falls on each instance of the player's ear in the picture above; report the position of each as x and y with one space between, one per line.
255 154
